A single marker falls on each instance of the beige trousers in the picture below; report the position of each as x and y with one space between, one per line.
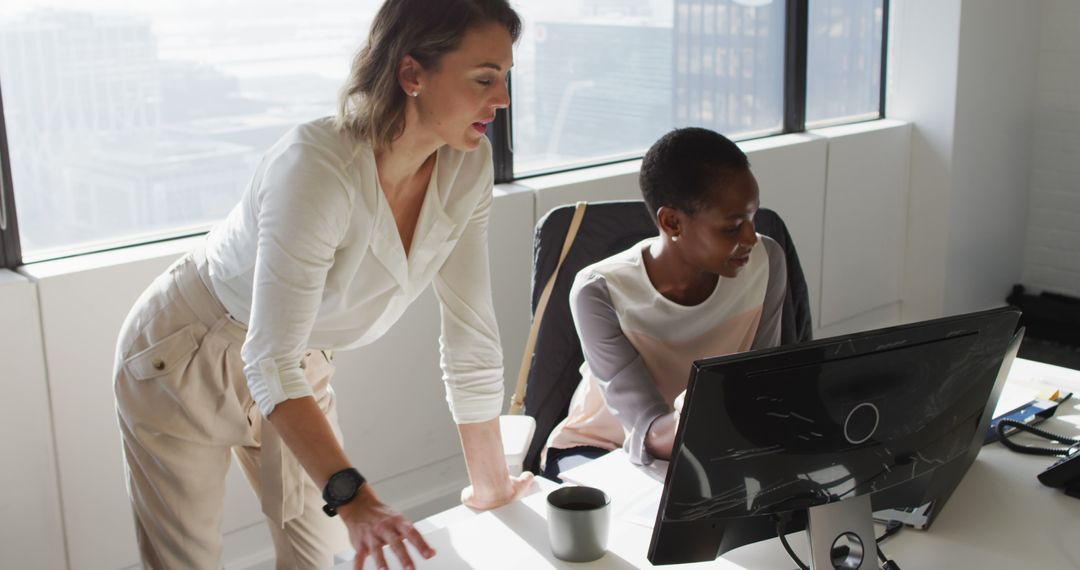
184 408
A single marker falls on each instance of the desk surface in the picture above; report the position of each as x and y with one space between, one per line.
999 517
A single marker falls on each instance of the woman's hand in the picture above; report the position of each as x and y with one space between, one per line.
372 525
492 486
678 405
516 488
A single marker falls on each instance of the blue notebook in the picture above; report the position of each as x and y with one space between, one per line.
1030 413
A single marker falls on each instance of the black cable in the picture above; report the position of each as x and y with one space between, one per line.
891 528
1032 449
791 553
781 524
886 564
1041 432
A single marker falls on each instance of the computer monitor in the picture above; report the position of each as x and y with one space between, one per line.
840 423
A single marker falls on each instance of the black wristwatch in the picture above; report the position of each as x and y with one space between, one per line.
341 488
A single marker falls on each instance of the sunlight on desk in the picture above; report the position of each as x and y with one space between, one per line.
515 537
1000 516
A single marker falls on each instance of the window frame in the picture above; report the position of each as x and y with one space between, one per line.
10 249
796 34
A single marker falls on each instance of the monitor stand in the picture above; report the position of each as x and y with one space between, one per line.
842 535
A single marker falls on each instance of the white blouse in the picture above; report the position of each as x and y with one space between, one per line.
311 258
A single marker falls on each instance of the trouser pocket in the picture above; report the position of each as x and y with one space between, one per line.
163 357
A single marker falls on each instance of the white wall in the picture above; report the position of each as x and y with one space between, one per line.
921 89
791 175
866 198
1052 260
999 41
964 79
31 535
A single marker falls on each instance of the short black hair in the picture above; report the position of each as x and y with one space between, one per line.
681 168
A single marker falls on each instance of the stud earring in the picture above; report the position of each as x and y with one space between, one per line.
674 238
414 93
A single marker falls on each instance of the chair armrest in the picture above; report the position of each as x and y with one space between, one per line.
517 432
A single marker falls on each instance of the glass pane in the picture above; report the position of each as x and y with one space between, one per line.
131 119
843 71
597 80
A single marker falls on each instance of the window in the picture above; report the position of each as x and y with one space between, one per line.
129 122
844 60
600 80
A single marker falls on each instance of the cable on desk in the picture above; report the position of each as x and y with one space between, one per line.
1034 449
891 528
782 520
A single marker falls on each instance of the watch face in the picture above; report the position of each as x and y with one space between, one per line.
343 487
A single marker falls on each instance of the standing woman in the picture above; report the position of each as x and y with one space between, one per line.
346 221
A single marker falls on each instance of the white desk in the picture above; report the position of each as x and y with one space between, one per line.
1000 517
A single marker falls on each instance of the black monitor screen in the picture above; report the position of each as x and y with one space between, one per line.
791 428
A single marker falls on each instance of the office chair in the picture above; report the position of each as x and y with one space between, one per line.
606 229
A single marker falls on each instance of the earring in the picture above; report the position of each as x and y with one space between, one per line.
414 93
674 238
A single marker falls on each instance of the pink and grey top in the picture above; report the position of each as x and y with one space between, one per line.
639 345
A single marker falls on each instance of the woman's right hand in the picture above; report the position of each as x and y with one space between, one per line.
373 525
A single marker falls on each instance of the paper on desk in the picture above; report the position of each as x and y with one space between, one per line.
634 489
615 474
1014 395
642 510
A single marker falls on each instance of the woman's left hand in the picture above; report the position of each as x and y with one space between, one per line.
484 500
678 405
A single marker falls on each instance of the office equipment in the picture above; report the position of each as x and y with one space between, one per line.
944 480
864 419
1064 473
997 519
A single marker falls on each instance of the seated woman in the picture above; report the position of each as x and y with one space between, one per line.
708 285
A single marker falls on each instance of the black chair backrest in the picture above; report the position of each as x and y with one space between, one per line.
606 229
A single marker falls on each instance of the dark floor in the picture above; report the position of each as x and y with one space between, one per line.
1050 352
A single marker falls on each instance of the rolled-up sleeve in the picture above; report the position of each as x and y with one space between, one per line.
470 352
629 390
303 213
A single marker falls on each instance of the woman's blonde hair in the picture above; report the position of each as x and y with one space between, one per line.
371 104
